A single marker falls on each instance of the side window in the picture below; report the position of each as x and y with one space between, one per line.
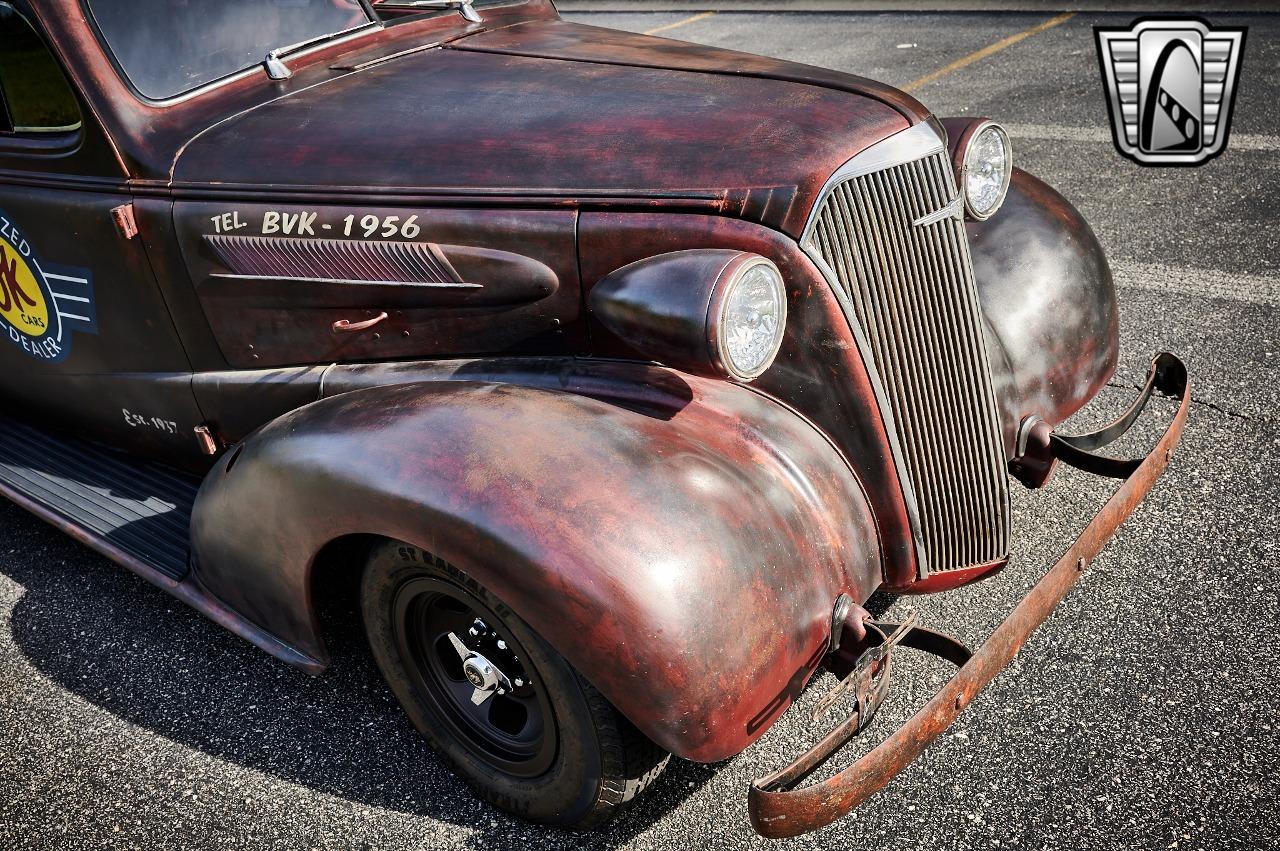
35 96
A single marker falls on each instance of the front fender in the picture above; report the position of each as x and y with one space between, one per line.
683 553
1048 298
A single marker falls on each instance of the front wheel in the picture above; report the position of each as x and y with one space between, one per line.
494 700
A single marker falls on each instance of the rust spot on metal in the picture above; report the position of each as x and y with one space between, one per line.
346 325
124 220
206 440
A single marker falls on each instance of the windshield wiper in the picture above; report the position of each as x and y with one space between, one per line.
277 70
463 6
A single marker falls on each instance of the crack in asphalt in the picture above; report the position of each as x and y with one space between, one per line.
1194 400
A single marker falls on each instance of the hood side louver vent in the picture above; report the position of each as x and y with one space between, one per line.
334 259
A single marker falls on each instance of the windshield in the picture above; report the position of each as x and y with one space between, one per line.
167 47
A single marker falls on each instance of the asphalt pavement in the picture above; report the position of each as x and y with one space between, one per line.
1142 715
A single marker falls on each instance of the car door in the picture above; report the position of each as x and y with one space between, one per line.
86 342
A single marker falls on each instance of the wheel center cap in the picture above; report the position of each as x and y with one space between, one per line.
483 675
480 672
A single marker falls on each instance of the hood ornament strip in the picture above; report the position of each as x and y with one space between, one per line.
954 207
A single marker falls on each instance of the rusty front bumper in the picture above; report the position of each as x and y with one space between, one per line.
779 809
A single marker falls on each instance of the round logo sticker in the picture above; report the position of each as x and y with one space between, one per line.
39 306
22 300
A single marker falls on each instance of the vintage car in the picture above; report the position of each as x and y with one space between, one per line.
613 374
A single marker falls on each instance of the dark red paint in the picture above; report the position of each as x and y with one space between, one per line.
599 130
629 546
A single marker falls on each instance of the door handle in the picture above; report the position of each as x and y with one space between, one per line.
346 325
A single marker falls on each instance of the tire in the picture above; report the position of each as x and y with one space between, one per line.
551 749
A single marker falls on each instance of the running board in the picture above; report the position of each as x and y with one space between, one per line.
140 509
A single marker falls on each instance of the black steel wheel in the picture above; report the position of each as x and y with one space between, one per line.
511 727
498 703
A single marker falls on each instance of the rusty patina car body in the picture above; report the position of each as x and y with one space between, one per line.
444 281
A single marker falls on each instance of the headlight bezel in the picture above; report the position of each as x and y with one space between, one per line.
967 145
718 315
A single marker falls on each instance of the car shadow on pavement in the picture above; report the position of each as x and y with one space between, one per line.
105 635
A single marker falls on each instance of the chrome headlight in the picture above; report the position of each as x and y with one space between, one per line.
752 314
714 311
986 166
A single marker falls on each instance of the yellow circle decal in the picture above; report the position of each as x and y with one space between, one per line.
22 301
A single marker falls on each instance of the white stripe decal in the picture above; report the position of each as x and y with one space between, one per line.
63 297
66 278
74 316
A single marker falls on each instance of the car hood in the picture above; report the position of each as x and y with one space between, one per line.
567 113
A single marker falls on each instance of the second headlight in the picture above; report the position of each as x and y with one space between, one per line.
986 164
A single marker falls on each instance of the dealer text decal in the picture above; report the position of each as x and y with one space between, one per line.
41 305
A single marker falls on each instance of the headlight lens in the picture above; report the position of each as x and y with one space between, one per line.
753 316
988 164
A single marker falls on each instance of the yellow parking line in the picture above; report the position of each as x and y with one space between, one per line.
984 52
701 16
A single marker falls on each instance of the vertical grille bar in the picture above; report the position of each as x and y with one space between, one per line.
912 291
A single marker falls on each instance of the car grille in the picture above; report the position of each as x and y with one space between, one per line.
912 291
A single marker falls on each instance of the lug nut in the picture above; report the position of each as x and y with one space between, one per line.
502 645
